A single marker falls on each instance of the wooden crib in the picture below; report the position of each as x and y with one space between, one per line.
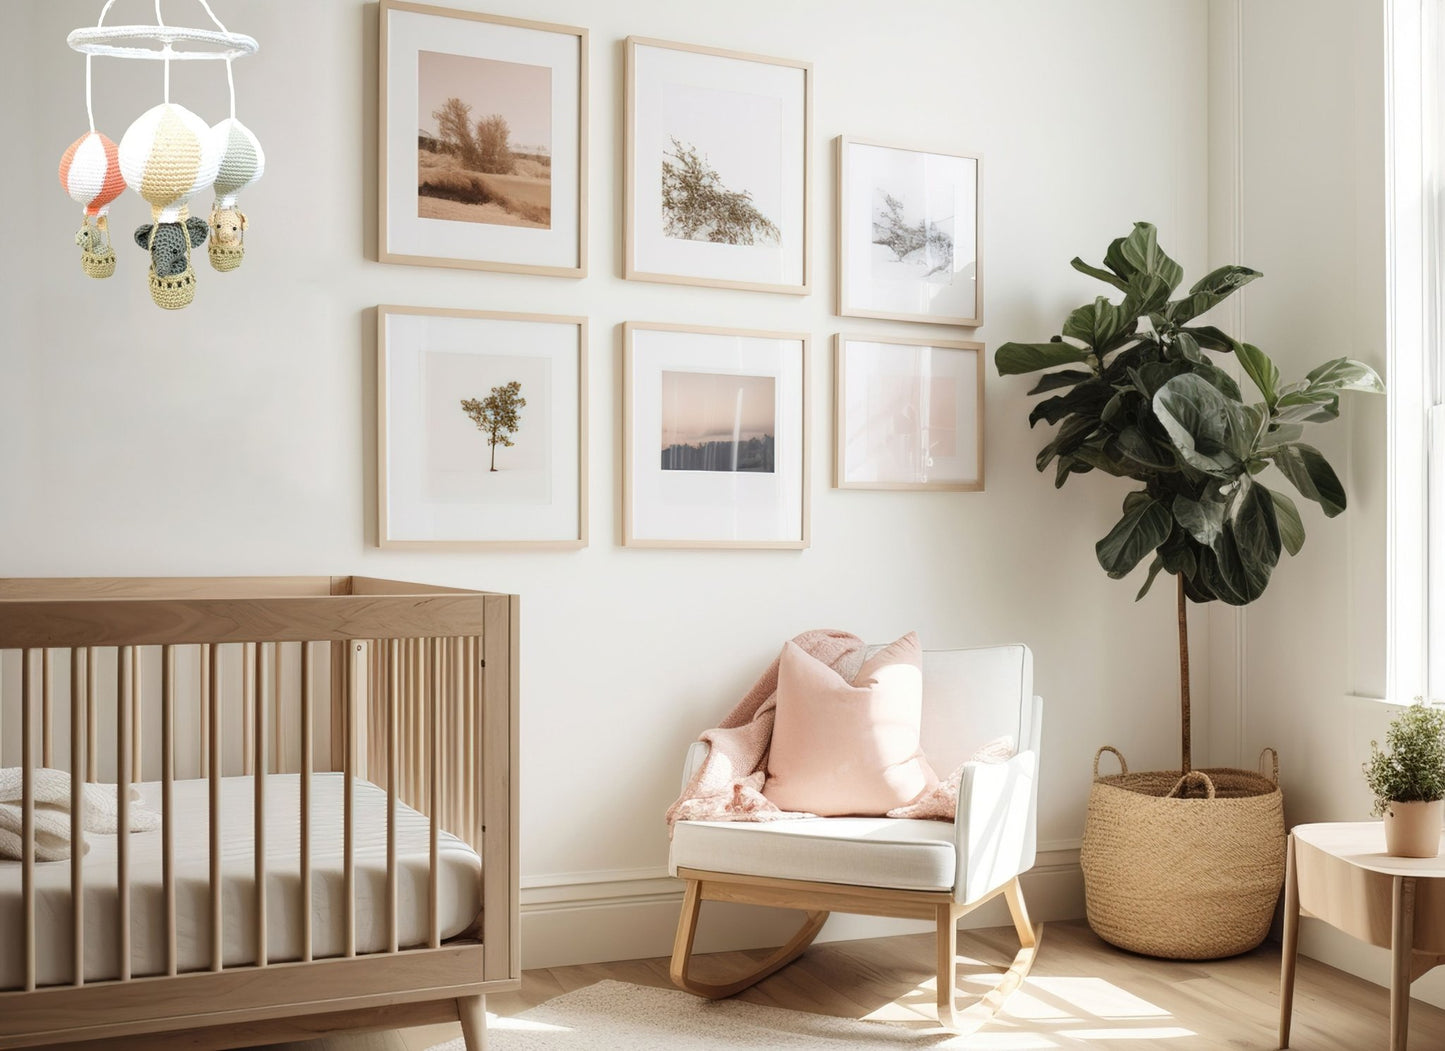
334 760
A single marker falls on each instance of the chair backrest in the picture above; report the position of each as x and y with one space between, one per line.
972 696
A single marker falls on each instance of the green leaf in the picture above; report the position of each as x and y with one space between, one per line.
1204 520
1188 347
1015 359
1212 338
1209 291
1086 398
1344 374
1261 371
1140 251
1103 275
1307 407
1154 568
1141 530
1133 445
1255 536
1291 526
1205 427
1147 294
1099 324
1070 436
1063 378
1310 473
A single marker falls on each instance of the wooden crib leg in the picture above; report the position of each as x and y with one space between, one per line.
472 1010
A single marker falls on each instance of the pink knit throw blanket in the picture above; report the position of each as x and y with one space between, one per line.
729 784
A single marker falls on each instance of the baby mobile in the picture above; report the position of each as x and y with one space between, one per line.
166 156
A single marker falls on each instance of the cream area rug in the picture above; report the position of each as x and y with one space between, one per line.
625 1017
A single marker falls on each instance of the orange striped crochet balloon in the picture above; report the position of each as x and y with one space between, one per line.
90 172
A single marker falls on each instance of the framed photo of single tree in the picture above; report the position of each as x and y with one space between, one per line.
717 168
908 414
483 141
908 234
481 431
715 437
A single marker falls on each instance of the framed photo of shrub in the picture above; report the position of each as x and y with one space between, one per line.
909 414
715 437
908 234
481 431
483 141
717 168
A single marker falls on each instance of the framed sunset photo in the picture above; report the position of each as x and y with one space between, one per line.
483 141
717 167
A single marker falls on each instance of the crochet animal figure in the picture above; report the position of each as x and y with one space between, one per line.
227 227
242 163
172 279
90 173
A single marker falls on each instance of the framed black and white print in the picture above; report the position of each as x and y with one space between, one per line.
715 437
481 429
717 168
483 141
908 234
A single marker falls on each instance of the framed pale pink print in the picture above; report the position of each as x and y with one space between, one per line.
715 437
908 234
483 141
481 429
909 414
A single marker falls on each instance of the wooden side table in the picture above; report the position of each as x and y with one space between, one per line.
1340 873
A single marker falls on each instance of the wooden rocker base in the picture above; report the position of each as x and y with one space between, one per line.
817 900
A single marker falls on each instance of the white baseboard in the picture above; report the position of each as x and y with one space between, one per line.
632 914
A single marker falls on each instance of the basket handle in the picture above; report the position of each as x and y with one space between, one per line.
1123 766
1193 777
1274 757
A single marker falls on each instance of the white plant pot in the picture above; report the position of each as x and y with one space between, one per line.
1412 830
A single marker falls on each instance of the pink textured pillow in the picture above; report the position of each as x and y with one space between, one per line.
841 748
940 803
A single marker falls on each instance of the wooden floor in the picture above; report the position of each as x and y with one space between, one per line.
1079 988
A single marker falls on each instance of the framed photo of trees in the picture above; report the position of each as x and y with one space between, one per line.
481 431
483 141
718 163
908 234
715 437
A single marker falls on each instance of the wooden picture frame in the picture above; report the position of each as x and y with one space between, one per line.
915 272
430 479
466 211
768 249
913 435
675 379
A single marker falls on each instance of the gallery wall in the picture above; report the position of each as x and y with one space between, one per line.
237 436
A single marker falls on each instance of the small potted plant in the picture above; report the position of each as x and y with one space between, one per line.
1409 781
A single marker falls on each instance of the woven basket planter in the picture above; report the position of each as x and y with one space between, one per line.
1185 868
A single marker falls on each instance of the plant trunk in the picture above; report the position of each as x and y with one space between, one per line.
1185 763
494 450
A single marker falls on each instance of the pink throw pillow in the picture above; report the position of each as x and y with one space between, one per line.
849 748
940 803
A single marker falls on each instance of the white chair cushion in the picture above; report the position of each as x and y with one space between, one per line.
852 851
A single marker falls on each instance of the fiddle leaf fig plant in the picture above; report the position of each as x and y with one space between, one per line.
1134 393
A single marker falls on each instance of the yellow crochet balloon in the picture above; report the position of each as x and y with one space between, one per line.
167 155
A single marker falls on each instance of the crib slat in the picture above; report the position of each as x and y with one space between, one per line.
168 776
258 781
393 689
213 747
125 682
305 816
47 715
27 810
250 683
137 707
348 877
203 724
77 824
435 680
92 714
278 738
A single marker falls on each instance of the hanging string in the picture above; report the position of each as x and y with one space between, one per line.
231 83
165 51
89 109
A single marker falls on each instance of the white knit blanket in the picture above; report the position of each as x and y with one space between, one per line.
51 789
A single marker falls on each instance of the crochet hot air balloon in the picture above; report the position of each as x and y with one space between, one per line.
242 163
90 173
167 155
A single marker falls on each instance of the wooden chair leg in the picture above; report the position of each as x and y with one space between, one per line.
472 1010
947 919
687 930
983 1010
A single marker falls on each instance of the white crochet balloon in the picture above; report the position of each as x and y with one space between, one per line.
166 156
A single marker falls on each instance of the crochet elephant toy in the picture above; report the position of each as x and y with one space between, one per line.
172 279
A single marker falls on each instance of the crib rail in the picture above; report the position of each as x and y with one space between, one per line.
409 687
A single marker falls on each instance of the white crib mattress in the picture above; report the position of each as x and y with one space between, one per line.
459 884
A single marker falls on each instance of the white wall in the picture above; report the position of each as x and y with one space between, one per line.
1298 191
236 437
